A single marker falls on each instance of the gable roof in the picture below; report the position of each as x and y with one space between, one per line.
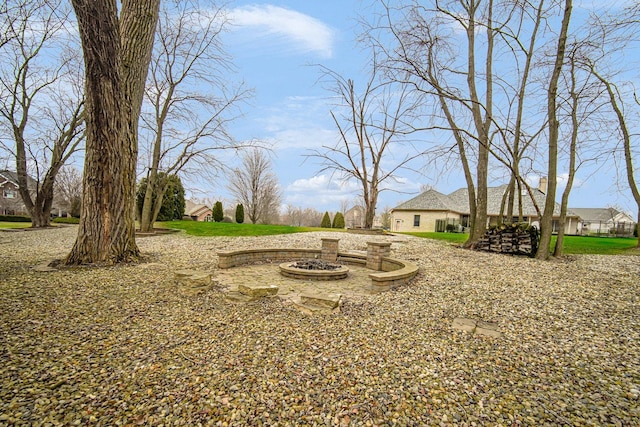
599 214
193 209
458 201
433 200
10 176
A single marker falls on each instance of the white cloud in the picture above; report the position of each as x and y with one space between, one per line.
302 123
303 32
320 191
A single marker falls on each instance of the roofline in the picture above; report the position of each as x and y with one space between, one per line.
465 213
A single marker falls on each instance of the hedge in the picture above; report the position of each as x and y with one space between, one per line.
14 218
66 220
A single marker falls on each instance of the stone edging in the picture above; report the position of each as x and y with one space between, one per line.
394 272
391 278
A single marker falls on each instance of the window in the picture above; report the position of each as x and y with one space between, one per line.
416 220
9 194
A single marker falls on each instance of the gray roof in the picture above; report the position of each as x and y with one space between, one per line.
13 177
596 214
458 201
431 200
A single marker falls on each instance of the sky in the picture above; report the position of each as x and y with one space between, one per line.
276 46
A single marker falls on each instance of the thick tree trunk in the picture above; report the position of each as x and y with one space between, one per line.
370 208
37 201
41 211
115 71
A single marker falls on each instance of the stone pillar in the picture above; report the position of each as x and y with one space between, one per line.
329 250
375 252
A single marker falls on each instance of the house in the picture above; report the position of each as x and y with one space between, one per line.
435 211
10 199
197 212
608 221
354 218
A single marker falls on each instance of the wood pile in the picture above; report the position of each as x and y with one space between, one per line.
513 239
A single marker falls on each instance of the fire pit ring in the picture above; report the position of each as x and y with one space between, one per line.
313 270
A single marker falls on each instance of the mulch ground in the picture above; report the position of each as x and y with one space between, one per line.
123 346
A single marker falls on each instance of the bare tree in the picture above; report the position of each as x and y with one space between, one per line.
256 186
581 106
427 58
68 189
41 108
117 50
546 222
190 100
616 103
373 124
614 34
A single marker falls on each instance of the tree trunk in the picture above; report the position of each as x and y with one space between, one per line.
149 211
38 203
481 125
573 144
546 222
115 71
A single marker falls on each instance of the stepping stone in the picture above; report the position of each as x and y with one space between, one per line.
467 325
237 297
258 291
47 267
44 268
329 301
488 329
478 327
193 281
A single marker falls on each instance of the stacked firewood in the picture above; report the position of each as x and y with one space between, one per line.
514 239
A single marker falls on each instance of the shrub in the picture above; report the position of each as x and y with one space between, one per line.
66 220
338 220
218 213
14 218
451 228
173 203
326 221
240 213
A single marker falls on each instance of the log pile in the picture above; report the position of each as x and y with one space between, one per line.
513 239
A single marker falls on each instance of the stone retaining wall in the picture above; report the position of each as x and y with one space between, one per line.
228 259
392 271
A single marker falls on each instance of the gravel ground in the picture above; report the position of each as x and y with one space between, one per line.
121 346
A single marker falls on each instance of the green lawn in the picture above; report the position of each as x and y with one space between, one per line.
599 245
449 237
572 244
4 224
196 228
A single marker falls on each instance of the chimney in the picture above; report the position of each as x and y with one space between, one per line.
542 186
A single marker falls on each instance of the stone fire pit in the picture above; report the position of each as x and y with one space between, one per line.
313 269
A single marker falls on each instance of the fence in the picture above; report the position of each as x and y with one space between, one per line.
449 224
607 228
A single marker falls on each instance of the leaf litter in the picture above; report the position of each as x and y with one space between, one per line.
120 346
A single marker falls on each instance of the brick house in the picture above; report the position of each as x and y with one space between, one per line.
10 199
197 212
